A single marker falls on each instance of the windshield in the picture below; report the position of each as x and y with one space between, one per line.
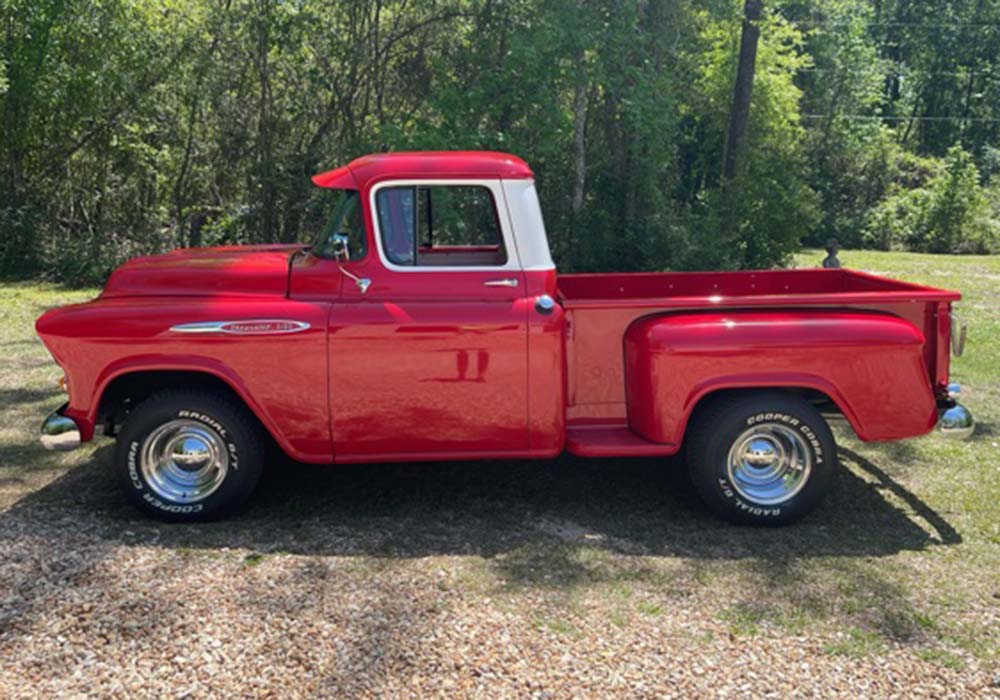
346 219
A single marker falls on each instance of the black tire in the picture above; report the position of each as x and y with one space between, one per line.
237 436
729 422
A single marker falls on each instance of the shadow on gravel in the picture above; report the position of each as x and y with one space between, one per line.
550 526
637 506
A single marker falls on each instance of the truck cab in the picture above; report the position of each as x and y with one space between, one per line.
443 265
426 321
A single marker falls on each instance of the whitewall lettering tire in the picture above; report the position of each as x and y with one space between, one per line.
189 455
761 459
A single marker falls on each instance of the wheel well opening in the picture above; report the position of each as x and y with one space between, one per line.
128 390
820 400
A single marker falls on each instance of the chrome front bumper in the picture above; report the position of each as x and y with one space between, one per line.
60 432
955 420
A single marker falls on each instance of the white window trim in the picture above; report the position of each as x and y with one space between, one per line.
503 218
525 214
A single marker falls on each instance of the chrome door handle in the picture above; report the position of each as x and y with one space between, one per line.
509 282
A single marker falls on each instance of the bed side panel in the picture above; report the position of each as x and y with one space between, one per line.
872 365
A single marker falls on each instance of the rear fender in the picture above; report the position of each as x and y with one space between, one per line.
870 364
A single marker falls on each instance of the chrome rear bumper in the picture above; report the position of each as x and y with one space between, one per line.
955 420
59 432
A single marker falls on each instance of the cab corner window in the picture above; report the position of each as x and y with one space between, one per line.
440 226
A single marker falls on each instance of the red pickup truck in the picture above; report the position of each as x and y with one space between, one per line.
427 322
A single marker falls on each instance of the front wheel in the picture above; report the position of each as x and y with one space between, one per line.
188 455
761 459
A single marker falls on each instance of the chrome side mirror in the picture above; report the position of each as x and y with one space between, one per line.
341 247
342 251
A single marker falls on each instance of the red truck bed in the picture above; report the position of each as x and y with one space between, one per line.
601 307
772 287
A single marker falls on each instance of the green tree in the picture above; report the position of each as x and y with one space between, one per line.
950 213
133 126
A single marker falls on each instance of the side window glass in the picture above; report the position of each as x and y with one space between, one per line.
440 226
396 221
345 221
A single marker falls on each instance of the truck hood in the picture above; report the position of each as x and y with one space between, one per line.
230 270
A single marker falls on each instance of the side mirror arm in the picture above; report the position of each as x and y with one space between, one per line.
341 249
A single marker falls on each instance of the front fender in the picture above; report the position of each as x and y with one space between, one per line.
870 364
194 364
281 377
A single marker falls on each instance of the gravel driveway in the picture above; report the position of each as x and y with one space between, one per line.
575 579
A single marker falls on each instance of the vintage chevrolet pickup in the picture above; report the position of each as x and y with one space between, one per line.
427 322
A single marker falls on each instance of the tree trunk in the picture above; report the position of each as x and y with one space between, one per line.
739 115
967 110
579 138
265 174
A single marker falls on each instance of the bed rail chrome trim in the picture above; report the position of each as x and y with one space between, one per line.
249 326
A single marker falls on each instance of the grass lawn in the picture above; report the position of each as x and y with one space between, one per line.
588 577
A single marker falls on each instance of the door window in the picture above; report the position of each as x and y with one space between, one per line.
440 226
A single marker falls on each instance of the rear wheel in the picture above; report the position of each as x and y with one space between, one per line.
761 459
188 455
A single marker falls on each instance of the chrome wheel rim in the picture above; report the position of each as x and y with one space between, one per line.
184 461
769 464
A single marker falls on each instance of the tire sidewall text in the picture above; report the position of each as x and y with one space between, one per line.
134 468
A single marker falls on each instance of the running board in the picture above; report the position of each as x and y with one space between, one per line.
612 441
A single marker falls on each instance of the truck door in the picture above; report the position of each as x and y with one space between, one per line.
430 360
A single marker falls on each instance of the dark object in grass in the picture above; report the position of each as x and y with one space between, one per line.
831 260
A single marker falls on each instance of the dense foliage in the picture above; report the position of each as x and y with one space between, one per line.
141 125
